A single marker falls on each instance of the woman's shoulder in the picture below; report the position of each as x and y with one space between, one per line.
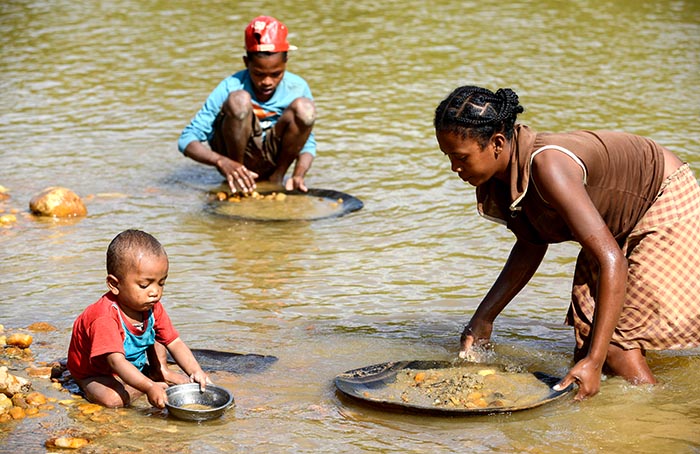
587 136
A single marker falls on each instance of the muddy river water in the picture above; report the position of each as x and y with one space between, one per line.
93 96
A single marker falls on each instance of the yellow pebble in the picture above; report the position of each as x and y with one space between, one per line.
20 340
88 409
17 413
35 398
7 219
66 442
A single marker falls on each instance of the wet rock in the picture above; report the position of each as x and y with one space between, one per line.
88 408
40 372
18 400
11 384
19 340
57 202
41 326
35 398
66 442
17 413
8 219
5 403
13 352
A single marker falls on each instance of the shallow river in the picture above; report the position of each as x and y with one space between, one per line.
93 96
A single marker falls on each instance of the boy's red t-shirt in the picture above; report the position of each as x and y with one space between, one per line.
99 331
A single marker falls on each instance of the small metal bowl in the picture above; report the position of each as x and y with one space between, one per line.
215 398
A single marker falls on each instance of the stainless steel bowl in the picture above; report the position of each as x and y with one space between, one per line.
215 398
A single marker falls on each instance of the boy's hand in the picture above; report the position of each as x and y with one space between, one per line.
200 377
237 176
188 363
296 183
156 394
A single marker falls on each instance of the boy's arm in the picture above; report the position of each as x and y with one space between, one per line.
184 358
133 377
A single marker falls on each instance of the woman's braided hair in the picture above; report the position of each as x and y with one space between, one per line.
478 113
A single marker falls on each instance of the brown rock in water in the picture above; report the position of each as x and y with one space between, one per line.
41 326
40 372
35 398
19 340
11 384
57 202
66 442
5 403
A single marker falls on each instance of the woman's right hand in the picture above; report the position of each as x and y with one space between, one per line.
475 334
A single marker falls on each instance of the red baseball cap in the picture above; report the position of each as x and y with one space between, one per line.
266 34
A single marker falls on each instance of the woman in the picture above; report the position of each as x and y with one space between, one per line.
631 204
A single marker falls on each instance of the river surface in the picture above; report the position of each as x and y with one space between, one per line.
93 96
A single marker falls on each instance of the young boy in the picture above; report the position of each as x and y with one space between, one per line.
259 120
114 337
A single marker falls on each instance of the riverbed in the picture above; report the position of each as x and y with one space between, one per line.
94 95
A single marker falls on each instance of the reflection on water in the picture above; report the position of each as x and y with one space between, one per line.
94 97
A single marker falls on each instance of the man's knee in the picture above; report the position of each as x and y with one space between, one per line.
304 111
238 105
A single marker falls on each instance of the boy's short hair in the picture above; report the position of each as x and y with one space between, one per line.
251 55
125 245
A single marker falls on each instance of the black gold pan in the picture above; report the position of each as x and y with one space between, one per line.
284 205
395 386
237 363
